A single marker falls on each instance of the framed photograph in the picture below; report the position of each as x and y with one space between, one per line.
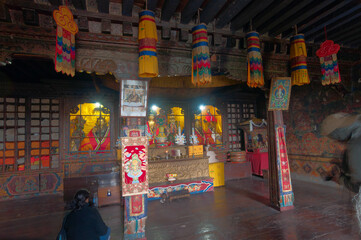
280 94
133 98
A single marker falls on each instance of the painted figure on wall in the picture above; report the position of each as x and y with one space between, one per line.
77 132
98 139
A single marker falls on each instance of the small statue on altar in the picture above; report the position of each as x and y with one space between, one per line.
172 129
161 135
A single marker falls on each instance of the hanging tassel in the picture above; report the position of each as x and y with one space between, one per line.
147 38
201 65
329 64
298 55
254 60
65 41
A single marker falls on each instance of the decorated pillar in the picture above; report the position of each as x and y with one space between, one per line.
134 156
281 193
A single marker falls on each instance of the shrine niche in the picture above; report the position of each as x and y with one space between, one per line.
208 126
89 128
166 127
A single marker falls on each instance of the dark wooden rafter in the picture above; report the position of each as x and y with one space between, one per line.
235 7
103 6
190 10
127 7
211 10
288 23
354 37
333 20
324 14
56 2
282 16
342 32
168 9
152 5
78 4
269 12
248 13
345 21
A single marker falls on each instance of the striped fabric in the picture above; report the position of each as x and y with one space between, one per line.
298 55
147 38
254 58
201 65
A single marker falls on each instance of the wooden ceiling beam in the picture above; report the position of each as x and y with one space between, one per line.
250 12
79 4
230 12
288 23
355 37
211 10
332 27
152 5
324 14
269 12
127 7
103 6
190 10
282 16
332 20
168 9
343 32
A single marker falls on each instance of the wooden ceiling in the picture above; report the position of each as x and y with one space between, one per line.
276 18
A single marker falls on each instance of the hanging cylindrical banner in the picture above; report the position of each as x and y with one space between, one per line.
201 64
329 65
147 38
65 41
254 58
298 55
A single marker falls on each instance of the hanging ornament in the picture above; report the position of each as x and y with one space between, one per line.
329 65
254 58
65 41
201 65
147 38
298 55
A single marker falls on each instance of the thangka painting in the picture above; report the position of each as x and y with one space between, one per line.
280 94
134 165
133 98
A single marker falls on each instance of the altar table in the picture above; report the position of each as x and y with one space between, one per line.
259 162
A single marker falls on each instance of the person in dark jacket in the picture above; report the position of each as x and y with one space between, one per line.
346 128
84 221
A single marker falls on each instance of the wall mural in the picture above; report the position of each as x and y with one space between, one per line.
309 152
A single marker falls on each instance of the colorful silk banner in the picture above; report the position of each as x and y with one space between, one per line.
134 165
136 207
284 174
329 65
201 64
298 55
147 38
65 41
254 57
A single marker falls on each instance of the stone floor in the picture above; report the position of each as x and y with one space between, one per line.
237 211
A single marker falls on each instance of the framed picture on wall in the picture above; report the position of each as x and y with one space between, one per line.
133 98
280 94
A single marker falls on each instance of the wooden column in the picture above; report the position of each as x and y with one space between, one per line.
280 186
